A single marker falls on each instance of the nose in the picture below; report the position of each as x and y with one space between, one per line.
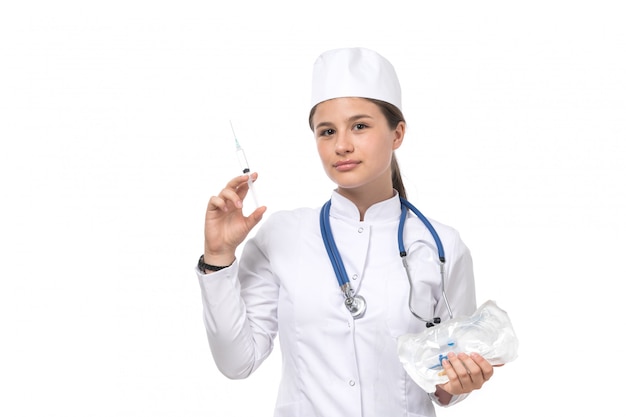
343 143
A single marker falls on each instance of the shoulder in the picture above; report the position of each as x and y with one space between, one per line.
445 232
289 222
285 232
294 216
449 236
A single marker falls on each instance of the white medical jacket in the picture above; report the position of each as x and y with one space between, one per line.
284 284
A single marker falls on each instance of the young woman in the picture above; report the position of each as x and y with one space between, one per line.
330 280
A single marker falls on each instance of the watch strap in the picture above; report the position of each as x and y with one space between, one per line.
207 267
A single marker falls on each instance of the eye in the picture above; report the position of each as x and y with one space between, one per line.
327 132
360 126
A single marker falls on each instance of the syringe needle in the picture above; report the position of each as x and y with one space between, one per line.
243 162
235 136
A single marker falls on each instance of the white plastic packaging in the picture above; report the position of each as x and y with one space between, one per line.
488 332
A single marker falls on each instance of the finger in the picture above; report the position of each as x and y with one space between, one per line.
236 190
473 370
255 217
234 197
453 386
229 193
485 367
244 187
224 201
461 374
216 203
237 181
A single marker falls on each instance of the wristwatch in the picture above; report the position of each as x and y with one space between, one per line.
206 267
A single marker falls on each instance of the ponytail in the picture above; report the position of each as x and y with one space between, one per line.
393 116
396 177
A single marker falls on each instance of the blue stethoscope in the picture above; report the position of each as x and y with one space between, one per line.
355 303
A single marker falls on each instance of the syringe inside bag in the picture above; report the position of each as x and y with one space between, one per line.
488 332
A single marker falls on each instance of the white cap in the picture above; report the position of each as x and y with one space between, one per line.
355 72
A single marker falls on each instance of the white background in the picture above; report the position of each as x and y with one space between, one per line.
114 126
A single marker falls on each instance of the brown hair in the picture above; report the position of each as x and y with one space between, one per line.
394 116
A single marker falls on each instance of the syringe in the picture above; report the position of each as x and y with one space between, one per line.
243 162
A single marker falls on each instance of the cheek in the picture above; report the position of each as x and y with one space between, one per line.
323 150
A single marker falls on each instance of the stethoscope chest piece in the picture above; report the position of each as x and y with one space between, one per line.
356 305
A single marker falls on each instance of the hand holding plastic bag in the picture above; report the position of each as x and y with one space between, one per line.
488 332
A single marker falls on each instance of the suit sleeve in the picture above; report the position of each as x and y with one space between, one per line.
240 311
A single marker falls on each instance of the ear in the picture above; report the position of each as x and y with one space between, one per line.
398 133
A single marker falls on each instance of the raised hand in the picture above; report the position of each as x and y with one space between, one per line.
225 226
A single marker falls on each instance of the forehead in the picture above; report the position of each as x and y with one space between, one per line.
344 108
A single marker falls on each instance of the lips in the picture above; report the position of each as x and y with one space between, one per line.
346 165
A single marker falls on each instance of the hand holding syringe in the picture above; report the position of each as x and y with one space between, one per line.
225 225
243 162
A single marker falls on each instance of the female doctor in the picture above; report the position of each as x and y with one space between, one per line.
330 280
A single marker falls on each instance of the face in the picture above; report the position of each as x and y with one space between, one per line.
355 144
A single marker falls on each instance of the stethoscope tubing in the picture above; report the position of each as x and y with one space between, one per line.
331 247
405 204
340 270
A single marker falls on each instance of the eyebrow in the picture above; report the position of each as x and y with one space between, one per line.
350 119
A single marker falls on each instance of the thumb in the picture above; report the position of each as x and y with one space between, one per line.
255 217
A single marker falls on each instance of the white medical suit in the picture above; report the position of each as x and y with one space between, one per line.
284 283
